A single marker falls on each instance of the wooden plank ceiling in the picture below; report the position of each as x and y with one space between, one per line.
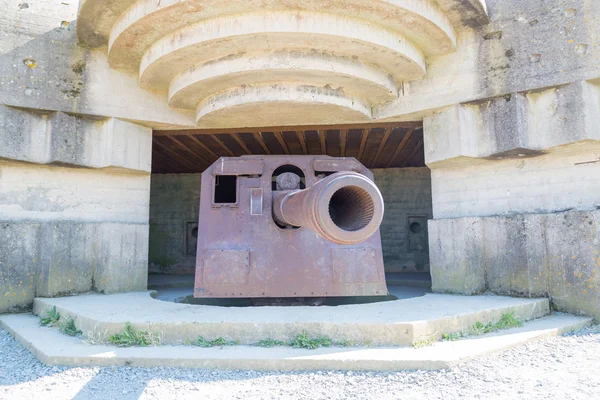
389 145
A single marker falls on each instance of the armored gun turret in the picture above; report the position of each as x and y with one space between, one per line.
289 226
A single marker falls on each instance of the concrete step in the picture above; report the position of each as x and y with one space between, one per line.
392 323
54 348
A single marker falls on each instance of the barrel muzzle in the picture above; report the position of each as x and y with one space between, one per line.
345 208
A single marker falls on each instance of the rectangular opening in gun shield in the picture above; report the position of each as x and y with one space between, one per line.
225 189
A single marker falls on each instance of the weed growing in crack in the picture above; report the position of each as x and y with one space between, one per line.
303 341
479 328
451 337
202 342
271 343
424 343
507 321
130 337
52 317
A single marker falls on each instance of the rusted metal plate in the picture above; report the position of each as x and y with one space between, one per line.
245 251
349 265
226 267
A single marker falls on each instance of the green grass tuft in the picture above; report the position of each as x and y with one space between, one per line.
130 337
303 341
479 328
52 317
508 321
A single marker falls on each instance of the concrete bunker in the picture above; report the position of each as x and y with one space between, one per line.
392 152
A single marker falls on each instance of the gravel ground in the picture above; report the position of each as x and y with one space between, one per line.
558 368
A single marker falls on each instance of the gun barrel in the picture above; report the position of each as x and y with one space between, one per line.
345 208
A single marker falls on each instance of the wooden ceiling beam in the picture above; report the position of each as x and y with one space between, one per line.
343 140
187 149
162 163
205 147
176 158
384 140
400 147
418 148
223 146
261 141
322 141
363 142
279 138
302 140
241 143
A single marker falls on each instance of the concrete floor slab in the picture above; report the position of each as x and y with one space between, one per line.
391 323
54 348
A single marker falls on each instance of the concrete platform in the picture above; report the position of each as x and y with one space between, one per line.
54 348
391 323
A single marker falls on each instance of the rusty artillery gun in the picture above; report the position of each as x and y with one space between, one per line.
289 226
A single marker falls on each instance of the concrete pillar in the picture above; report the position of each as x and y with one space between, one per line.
74 199
515 187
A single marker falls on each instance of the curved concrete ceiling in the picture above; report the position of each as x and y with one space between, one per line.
281 62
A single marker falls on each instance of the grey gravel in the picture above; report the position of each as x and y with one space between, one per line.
558 368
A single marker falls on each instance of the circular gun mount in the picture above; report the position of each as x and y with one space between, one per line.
345 208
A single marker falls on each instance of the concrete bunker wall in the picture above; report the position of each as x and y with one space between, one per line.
518 216
174 202
74 196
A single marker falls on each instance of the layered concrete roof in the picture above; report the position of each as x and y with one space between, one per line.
264 62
